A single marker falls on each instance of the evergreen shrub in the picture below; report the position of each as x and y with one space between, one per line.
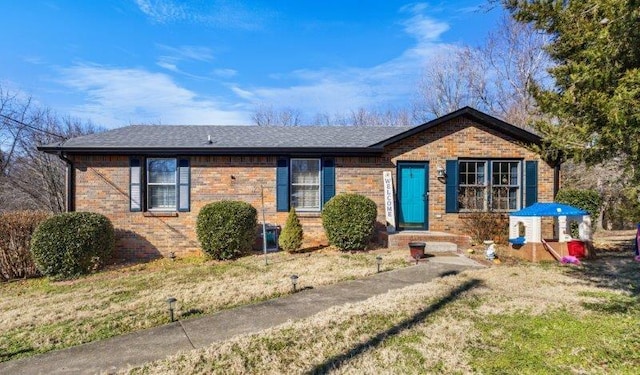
226 229
586 199
349 221
290 239
70 244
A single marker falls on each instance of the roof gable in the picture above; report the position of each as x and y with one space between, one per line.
474 115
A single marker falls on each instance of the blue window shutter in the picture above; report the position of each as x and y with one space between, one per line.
531 188
184 185
282 185
451 198
328 180
135 186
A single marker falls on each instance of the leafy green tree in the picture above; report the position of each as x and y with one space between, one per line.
290 239
593 107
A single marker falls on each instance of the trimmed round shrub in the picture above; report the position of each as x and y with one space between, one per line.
226 229
71 244
349 221
290 239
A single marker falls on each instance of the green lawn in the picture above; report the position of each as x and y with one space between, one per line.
40 315
518 319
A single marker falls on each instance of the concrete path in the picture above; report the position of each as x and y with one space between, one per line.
137 348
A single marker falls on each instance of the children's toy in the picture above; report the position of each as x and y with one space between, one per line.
491 252
570 259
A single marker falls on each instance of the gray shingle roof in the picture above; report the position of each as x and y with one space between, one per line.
267 140
229 137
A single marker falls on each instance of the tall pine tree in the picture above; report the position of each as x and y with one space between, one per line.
594 106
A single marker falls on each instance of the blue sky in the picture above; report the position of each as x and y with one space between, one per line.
213 62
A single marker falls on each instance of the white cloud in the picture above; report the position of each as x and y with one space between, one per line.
216 13
176 55
348 88
422 27
225 73
117 97
188 53
167 65
162 11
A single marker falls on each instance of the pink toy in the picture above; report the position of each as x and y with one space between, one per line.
637 258
569 259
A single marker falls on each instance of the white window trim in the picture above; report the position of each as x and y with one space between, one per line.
175 180
488 185
517 186
319 184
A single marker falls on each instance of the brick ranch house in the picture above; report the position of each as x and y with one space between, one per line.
151 181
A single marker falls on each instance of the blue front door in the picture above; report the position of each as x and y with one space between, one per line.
413 195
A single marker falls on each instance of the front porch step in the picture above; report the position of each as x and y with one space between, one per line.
440 247
435 241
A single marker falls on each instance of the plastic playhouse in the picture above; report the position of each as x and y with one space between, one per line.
526 232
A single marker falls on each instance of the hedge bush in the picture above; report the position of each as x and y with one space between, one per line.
349 221
226 229
16 229
586 199
71 244
290 239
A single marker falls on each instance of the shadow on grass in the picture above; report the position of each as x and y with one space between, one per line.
334 363
611 269
13 355
449 273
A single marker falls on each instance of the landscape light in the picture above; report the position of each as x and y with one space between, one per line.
294 281
171 301
379 262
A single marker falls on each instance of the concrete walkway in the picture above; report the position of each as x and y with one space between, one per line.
152 344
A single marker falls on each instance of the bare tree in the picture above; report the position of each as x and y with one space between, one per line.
14 119
496 77
266 115
30 179
514 54
448 83
378 117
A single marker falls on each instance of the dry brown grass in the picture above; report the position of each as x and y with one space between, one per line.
422 328
40 315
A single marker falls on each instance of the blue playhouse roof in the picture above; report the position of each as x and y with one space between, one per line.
550 209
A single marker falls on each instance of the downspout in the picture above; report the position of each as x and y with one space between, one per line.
556 179
70 179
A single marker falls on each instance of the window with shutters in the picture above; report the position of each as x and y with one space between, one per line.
505 185
305 184
489 184
472 191
161 184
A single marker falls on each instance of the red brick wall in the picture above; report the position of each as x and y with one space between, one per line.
462 138
102 185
